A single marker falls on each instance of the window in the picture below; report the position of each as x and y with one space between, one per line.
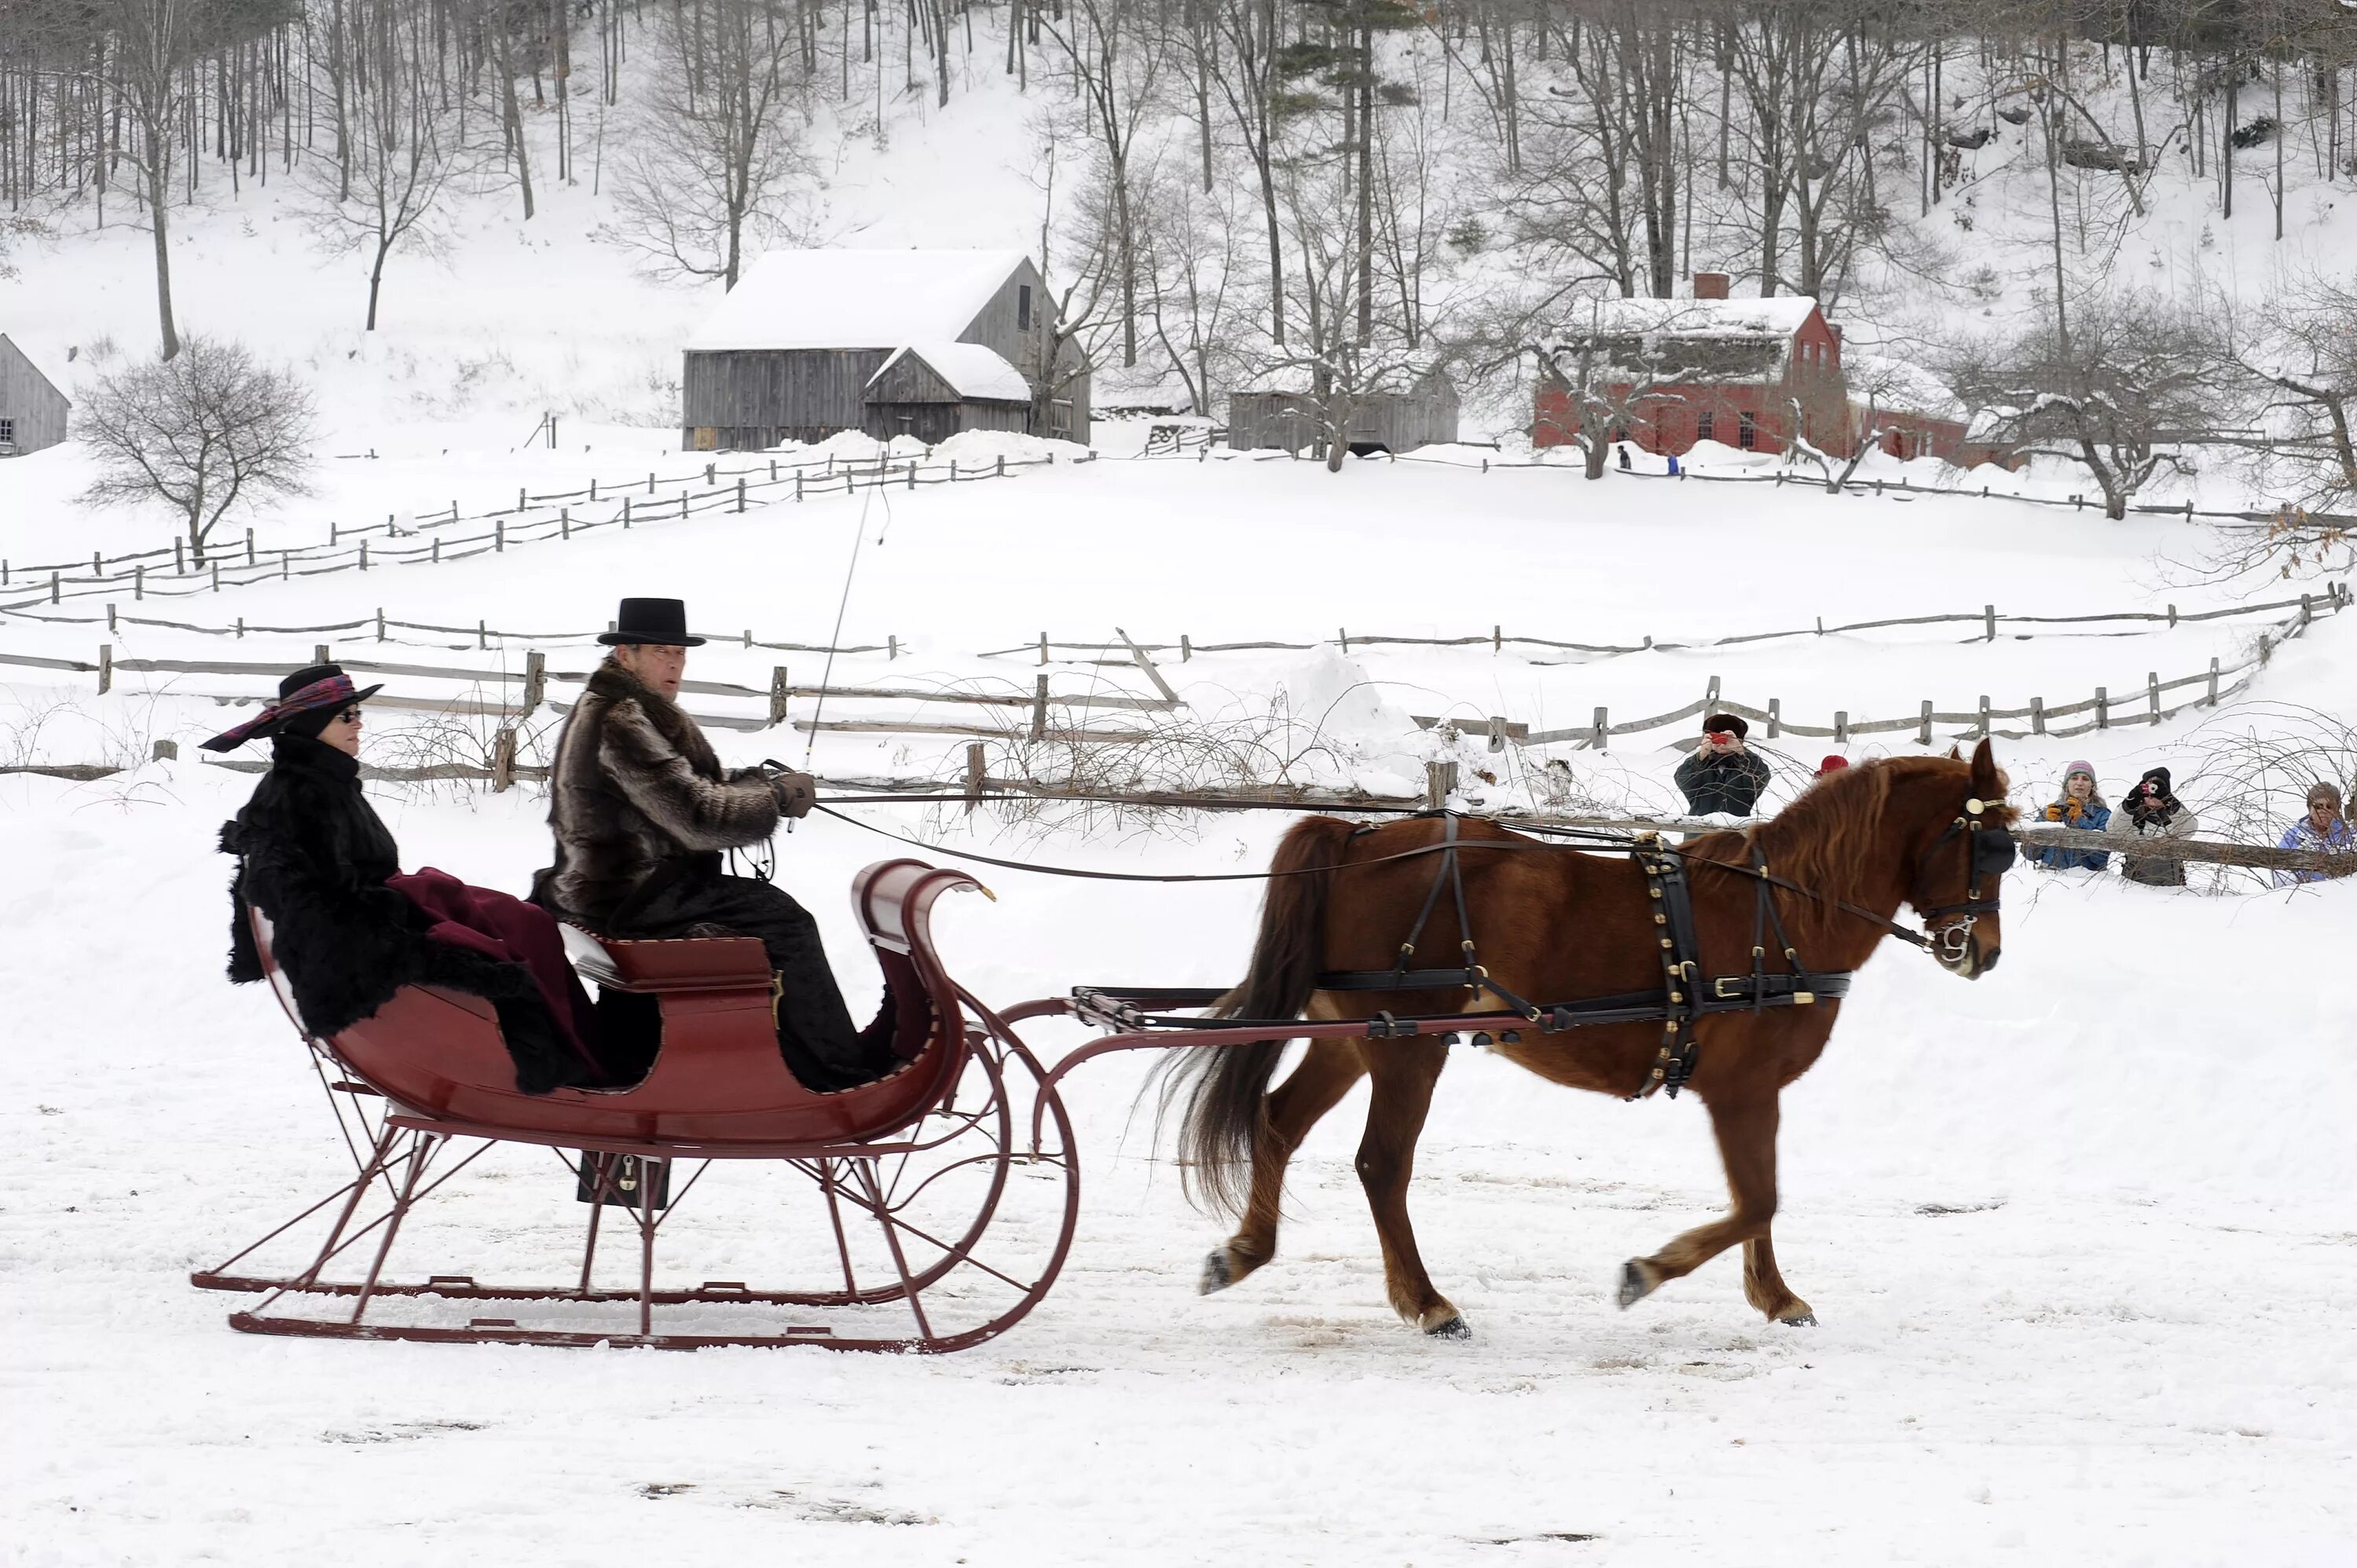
1746 430
1023 308
1705 423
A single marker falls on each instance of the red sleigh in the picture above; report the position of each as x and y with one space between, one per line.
948 1189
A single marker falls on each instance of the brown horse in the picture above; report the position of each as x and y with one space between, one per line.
1558 925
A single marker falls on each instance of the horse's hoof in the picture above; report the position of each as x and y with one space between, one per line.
1217 1273
1799 1320
1454 1328
1638 1281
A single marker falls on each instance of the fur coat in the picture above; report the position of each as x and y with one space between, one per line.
636 790
313 856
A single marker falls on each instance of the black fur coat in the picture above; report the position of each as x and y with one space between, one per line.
313 856
636 788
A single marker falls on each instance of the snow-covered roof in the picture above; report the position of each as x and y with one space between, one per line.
1900 386
1779 316
971 369
855 299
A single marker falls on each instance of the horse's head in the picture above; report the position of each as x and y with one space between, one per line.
1961 867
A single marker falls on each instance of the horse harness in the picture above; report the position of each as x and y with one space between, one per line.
1685 999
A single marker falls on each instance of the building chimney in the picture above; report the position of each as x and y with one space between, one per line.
1711 285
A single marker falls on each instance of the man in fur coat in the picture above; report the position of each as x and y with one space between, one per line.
641 809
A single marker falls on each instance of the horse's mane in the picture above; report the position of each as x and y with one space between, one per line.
1827 837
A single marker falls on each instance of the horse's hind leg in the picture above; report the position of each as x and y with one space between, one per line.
1313 1087
1745 1121
1403 1074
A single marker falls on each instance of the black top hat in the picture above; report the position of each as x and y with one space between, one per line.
307 690
661 621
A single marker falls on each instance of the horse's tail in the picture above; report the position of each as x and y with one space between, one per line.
1224 1085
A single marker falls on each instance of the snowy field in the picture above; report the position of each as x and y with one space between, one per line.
2074 1234
2077 1236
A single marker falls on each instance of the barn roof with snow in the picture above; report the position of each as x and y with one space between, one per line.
923 343
857 299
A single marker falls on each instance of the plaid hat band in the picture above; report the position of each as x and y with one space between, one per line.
332 691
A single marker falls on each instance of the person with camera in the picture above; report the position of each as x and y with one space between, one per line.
2152 811
1722 776
2079 806
2324 828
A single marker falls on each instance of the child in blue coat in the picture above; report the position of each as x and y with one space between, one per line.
2078 807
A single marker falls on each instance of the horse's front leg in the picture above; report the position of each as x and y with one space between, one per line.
1744 1116
1402 1077
1315 1085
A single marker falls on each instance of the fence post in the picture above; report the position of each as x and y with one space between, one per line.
240 629
626 514
710 473
773 470
1497 640
798 487
1923 726
1985 715
165 751
379 623
1002 464
217 565
502 760
437 551
249 547
2152 690
1602 738
535 679
180 562
564 523
482 634
53 588
1039 709
2266 648
650 481
1185 648
1343 633
2305 609
1988 621
593 491
139 582
2102 708
912 473
285 564
2172 617
2213 685
318 653
1497 732
110 619
741 495
1043 647
2037 715
749 637
519 498
1710 698
499 536
891 647
1439 781
106 668
973 775
777 693
1841 727
1775 717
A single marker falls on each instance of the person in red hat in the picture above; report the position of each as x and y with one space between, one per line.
642 809
348 927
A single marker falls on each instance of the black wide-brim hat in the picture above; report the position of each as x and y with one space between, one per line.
663 621
309 689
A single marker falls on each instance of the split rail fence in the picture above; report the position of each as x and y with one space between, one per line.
143 574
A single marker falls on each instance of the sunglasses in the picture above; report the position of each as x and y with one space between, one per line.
349 717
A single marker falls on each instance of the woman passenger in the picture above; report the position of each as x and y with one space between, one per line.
348 929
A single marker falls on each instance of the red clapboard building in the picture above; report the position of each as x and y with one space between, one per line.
1743 372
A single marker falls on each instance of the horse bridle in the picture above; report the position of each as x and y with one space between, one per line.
1988 855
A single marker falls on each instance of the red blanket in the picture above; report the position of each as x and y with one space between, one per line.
499 926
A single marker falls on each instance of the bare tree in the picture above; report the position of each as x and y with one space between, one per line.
1115 62
719 167
386 197
2131 380
1609 376
204 432
2298 354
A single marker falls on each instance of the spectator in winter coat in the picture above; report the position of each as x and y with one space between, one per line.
2324 828
1721 776
2079 807
2152 810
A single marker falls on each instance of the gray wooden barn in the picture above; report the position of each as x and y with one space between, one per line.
33 408
923 343
1412 410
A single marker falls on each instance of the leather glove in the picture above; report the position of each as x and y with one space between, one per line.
795 793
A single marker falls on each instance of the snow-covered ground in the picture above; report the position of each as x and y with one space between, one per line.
2076 1235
